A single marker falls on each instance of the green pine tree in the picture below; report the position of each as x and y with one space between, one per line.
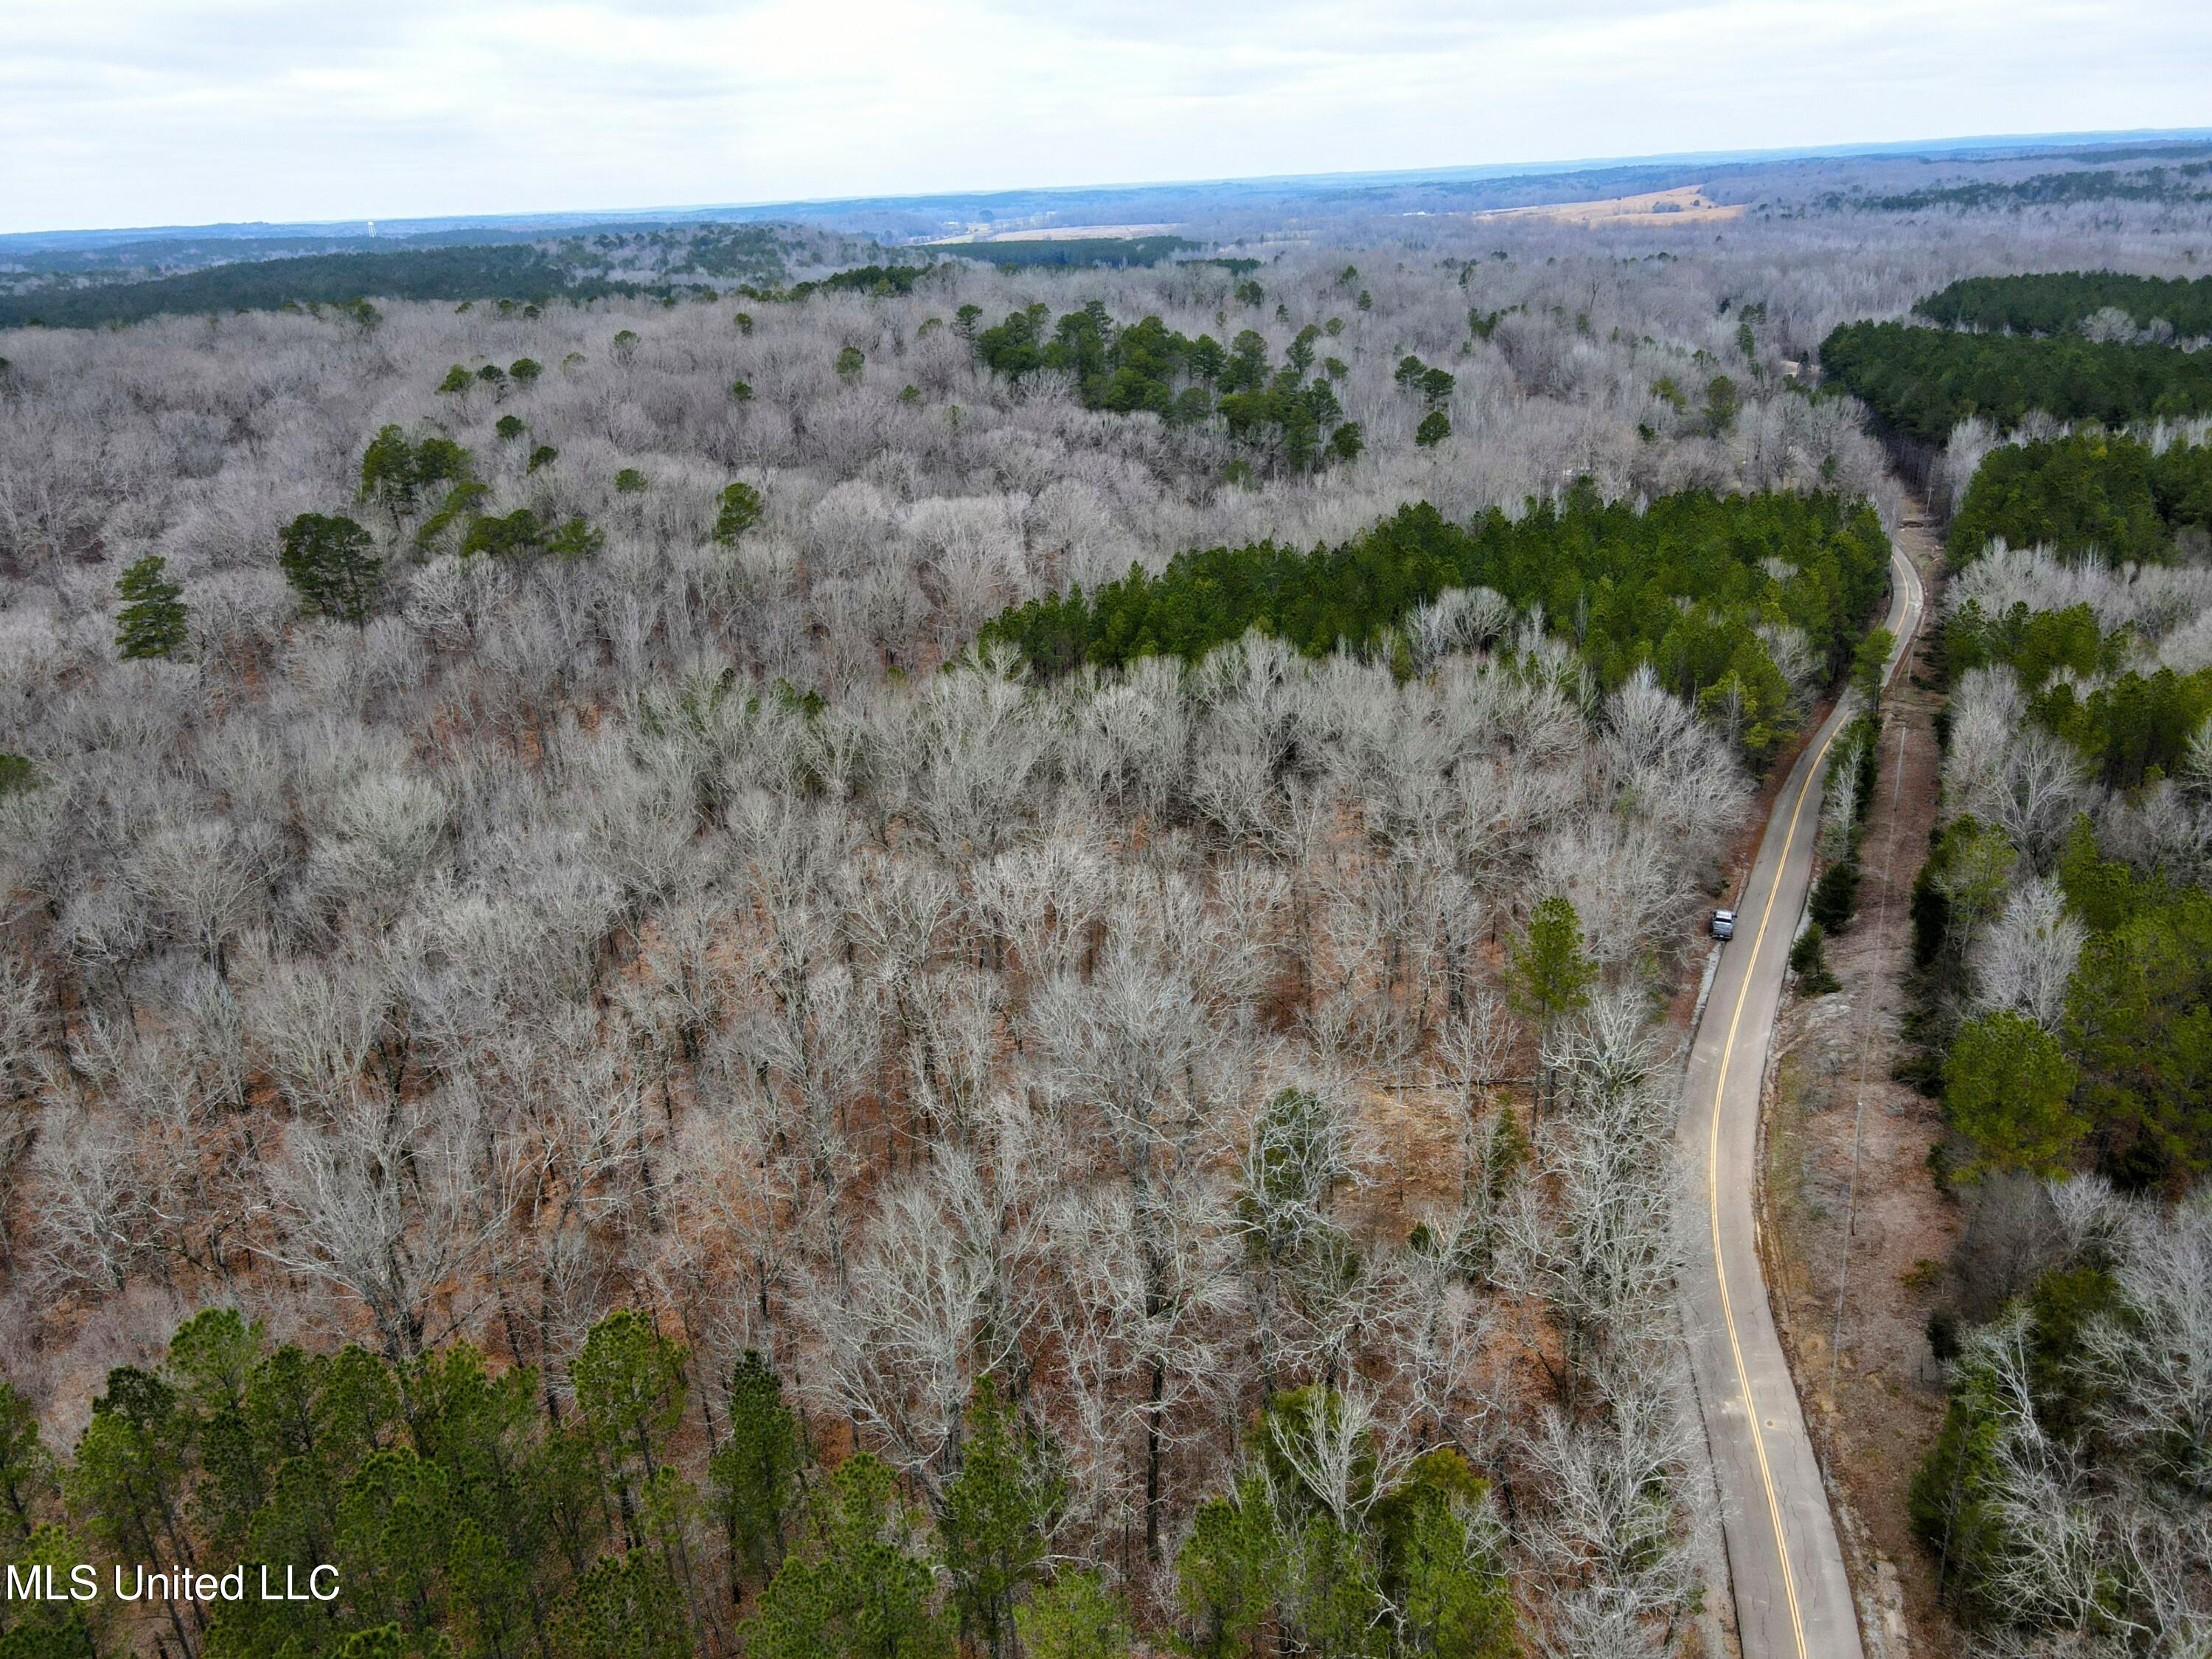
1443 1564
997 1519
858 1588
154 621
1074 1617
1232 1573
630 1387
1723 401
26 1471
37 1629
2009 1088
741 509
756 1472
1336 1607
1550 972
626 1606
332 566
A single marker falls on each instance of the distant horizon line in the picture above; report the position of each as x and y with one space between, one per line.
556 218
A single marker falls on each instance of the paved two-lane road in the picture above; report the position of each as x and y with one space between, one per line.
1793 1599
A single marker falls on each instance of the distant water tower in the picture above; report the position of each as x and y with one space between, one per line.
372 230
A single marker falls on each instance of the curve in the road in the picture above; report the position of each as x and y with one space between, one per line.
1793 1596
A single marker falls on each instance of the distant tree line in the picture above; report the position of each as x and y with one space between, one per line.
1073 251
881 281
2156 184
334 279
732 251
877 281
709 249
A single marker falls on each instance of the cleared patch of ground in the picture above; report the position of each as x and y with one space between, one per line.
1853 1223
1685 204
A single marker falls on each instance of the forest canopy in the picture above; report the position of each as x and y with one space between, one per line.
2091 492
2053 302
317 279
1123 368
2157 184
454 1515
877 281
1056 1164
2111 1076
1073 251
438 273
1923 381
1683 585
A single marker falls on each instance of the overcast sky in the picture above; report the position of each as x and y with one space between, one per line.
186 112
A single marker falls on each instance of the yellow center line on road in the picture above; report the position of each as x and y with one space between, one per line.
1713 1159
1713 1199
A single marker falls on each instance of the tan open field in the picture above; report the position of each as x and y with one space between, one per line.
1686 204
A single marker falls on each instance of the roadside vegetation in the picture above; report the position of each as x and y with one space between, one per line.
2062 945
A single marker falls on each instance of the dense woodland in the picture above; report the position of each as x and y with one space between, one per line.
1118 252
669 264
584 1033
2058 302
664 263
2080 686
337 279
2099 494
2179 183
1706 592
1921 382
2063 934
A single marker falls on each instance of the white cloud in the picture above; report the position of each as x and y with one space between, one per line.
166 112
